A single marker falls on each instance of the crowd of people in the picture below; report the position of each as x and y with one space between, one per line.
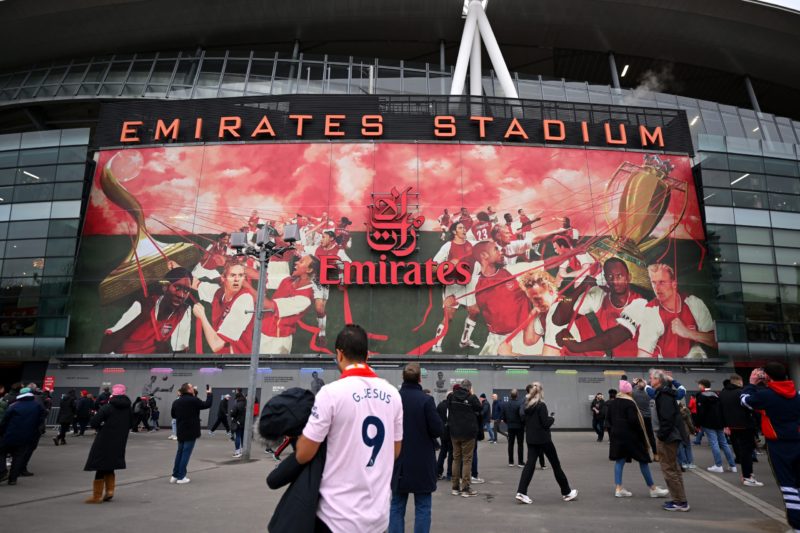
363 447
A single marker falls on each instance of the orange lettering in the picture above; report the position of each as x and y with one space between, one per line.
229 125
651 137
198 128
129 131
585 131
263 127
561 132
515 128
482 125
300 119
444 126
623 137
372 125
332 124
172 130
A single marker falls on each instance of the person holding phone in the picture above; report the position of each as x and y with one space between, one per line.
186 412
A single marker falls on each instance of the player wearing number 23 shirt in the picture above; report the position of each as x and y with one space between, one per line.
361 416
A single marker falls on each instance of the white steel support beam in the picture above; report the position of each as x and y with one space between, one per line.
465 49
493 49
475 70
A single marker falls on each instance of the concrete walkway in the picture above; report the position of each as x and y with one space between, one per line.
228 495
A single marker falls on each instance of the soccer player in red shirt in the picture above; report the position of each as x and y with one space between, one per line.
286 306
342 233
482 230
328 246
465 218
444 221
160 323
230 329
458 250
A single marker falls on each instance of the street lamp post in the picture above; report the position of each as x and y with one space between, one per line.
263 250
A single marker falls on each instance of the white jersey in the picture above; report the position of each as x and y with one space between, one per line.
361 417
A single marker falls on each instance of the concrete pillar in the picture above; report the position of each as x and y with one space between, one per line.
612 64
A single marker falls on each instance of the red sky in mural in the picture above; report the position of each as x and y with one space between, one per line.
214 188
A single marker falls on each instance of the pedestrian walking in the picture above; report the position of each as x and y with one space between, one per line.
598 408
669 435
112 422
446 450
709 415
497 415
155 414
66 416
19 429
83 412
486 415
643 400
415 469
186 412
739 422
685 454
360 418
222 416
628 441
238 413
775 396
513 420
464 415
537 434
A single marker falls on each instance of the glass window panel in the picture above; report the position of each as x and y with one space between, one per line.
723 252
34 175
70 209
75 136
112 89
727 332
33 193
716 232
789 275
5 212
751 217
784 202
132 90
790 294
755 292
162 72
758 273
729 292
40 139
785 220
553 90
18 268
234 77
10 141
719 197
55 286
52 327
755 254
787 256
39 156
726 271
58 266
726 310
745 163
7 176
8 159
791 313
117 73
52 306
67 90
714 160
750 199
64 227
766 331
210 73
713 122
31 229
716 178
68 191
782 167
25 248
746 235
31 211
748 180
719 215
72 154
733 127
60 247
6 194
785 237
783 185
3 229
155 90
95 73
70 172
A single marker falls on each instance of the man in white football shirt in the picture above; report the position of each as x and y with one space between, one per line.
361 416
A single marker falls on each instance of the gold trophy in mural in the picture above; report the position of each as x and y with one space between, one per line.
647 191
148 257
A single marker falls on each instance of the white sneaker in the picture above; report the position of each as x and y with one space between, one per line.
571 496
521 466
751 482
237 455
210 433
469 344
691 466
622 493
717 469
172 479
436 349
733 469
658 492
523 498
511 465
476 480
183 481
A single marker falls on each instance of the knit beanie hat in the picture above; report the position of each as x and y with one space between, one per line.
625 386
118 390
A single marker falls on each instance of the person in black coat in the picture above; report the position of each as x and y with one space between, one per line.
83 412
66 416
112 423
511 416
222 416
415 468
537 434
598 415
446 452
186 412
742 425
19 430
238 413
628 435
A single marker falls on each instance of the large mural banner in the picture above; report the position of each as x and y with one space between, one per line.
436 249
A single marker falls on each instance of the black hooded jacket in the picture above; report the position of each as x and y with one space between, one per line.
734 414
670 423
464 412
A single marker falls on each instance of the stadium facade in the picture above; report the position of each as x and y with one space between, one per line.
88 115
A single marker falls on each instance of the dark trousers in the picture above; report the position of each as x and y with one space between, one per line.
549 450
222 419
62 431
29 453
651 437
744 443
17 453
784 456
516 435
82 424
597 426
445 453
498 431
